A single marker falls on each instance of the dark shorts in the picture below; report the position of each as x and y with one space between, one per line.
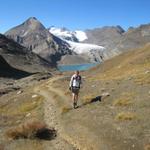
75 90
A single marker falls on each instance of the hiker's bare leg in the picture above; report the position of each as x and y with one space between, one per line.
76 98
73 97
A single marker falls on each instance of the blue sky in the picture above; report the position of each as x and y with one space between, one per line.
75 14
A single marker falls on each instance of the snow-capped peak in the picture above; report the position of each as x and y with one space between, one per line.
74 39
66 34
81 35
60 31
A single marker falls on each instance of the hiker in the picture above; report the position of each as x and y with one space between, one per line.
75 87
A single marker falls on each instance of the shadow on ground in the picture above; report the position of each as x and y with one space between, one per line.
46 134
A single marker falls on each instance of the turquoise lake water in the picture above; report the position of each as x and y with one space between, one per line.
76 67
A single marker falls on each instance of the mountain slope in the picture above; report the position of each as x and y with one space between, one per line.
134 38
33 35
106 36
7 71
113 104
20 57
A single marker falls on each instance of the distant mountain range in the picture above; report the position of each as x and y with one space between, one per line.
59 45
113 39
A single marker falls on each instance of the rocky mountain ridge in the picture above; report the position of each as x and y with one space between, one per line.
33 35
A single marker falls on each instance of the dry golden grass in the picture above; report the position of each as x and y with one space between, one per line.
29 106
122 102
120 73
24 107
125 99
55 85
123 116
142 79
26 130
4 109
55 96
128 94
147 147
65 110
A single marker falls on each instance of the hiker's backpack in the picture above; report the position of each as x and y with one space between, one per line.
76 81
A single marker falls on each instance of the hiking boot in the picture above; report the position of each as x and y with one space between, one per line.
74 105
